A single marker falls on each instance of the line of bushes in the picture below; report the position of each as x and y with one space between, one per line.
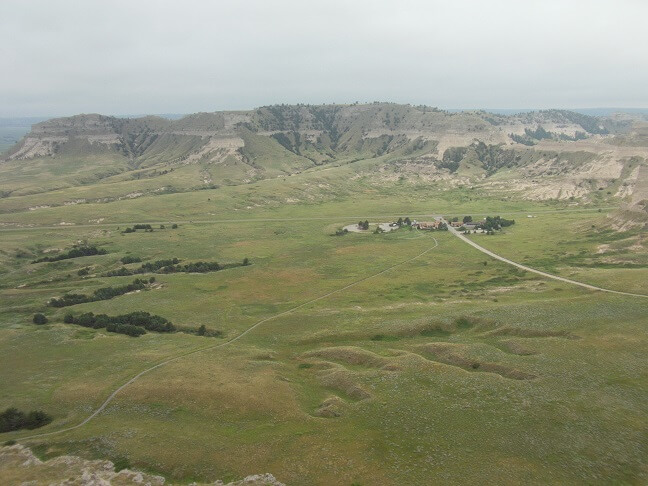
146 227
134 324
14 419
495 223
172 266
76 252
104 293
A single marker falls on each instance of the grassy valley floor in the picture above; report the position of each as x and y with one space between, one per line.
450 368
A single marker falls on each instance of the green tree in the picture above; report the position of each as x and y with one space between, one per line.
202 330
467 219
39 318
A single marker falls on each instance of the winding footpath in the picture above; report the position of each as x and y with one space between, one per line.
226 343
533 270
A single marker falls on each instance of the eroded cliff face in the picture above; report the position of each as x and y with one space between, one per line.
545 155
326 129
18 465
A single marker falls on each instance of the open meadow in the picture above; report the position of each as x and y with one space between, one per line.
432 371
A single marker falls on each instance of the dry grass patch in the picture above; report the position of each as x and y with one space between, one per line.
447 353
343 381
530 333
238 386
332 407
515 347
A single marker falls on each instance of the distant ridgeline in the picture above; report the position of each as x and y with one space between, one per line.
277 140
211 150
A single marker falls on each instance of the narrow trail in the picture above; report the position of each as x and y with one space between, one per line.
533 270
226 343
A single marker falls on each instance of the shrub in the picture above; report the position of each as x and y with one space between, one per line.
172 265
104 293
145 227
124 323
76 252
14 419
39 318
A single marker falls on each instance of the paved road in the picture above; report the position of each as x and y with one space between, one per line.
226 343
533 270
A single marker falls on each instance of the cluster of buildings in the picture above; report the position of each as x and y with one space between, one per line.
427 225
470 225
423 225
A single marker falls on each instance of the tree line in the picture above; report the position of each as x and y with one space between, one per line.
495 223
134 324
172 266
76 252
104 293
146 227
489 224
14 419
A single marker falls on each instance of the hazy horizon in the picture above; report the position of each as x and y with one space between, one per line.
68 57
596 111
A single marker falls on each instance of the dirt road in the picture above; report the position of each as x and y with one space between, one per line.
533 270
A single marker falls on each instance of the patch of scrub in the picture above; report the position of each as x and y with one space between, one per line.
343 381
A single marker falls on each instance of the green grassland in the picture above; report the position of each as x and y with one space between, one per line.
450 368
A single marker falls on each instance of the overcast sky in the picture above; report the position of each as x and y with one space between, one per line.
131 57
